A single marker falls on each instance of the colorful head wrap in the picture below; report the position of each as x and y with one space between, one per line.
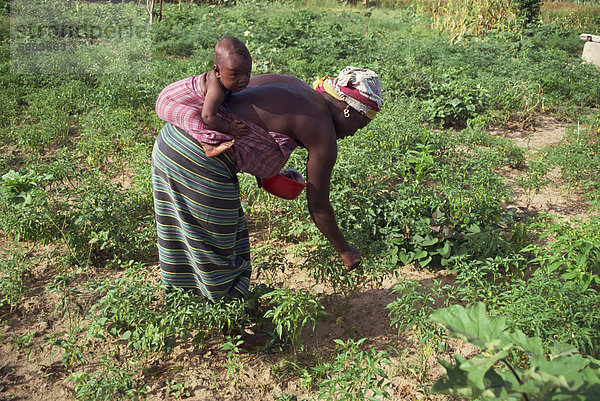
359 87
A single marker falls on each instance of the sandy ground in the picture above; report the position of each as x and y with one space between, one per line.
36 373
555 198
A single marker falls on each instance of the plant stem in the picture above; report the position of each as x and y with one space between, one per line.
515 374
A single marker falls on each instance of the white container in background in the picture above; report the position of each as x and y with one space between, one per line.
591 49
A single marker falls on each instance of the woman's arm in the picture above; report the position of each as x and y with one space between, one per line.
322 154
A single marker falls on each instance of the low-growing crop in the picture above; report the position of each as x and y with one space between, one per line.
15 273
26 205
574 252
178 389
292 310
233 362
548 307
414 303
114 379
511 365
352 375
453 102
133 309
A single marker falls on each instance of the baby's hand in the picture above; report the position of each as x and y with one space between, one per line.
237 128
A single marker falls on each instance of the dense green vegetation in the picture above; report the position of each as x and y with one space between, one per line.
420 185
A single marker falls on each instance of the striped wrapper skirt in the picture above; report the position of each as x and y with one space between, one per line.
202 232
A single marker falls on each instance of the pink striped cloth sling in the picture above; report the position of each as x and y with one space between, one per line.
261 153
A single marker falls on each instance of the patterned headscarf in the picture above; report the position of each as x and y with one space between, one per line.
359 87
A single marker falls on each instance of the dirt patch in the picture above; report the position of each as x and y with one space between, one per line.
556 197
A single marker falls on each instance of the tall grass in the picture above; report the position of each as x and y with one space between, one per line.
462 18
571 15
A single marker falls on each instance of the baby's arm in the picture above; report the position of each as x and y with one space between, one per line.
215 96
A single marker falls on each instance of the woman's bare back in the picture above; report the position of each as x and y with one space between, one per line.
283 104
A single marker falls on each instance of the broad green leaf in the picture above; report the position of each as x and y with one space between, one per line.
478 368
531 345
473 325
457 382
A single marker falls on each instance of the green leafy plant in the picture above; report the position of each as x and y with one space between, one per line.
15 273
352 375
545 306
25 205
292 310
127 310
233 362
494 373
72 350
414 303
25 342
453 102
130 309
483 280
178 389
574 252
113 379
285 397
421 162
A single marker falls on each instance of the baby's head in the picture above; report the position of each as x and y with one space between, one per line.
233 63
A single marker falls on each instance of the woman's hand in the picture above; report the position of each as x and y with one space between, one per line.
351 257
237 128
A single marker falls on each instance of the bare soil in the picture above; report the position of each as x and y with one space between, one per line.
37 373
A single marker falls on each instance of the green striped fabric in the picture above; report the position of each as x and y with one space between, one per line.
202 232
